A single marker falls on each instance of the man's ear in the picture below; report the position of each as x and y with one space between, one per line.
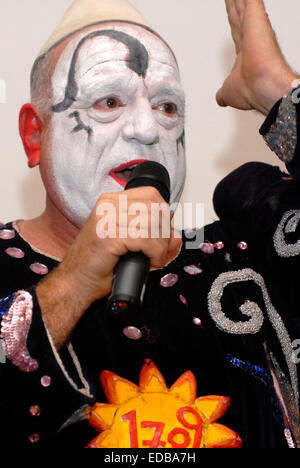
30 128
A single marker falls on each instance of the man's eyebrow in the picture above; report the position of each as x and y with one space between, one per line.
104 86
175 93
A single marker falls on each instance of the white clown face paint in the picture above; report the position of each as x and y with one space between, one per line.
117 117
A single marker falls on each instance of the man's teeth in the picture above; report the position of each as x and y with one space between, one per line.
125 173
130 169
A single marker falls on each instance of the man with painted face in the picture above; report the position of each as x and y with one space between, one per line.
106 96
117 98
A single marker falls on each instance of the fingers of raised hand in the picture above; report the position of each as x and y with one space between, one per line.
235 22
240 7
232 12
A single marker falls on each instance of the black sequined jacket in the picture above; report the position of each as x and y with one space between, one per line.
230 314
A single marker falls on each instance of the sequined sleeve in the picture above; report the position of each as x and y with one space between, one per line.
16 312
281 131
32 376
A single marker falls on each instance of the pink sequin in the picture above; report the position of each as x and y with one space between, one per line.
243 245
169 280
46 381
183 299
14 329
207 248
192 269
132 333
197 321
39 268
7 234
14 252
219 245
34 438
35 410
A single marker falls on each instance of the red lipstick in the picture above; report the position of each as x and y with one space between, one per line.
122 173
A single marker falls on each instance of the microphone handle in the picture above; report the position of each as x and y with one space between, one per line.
131 272
128 286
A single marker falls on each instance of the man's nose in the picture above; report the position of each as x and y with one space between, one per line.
141 125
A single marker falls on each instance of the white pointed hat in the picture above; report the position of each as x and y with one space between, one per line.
83 13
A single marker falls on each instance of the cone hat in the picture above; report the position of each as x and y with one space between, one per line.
83 13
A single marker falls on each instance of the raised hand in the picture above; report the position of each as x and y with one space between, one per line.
260 75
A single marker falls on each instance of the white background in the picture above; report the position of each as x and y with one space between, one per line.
218 140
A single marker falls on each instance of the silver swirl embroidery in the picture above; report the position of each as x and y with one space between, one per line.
255 314
287 225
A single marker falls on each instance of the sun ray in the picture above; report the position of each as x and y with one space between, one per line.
185 387
117 389
212 407
219 436
151 380
102 416
105 440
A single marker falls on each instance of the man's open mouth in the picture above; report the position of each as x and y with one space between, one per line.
122 173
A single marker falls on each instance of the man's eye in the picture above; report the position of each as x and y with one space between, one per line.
108 104
167 108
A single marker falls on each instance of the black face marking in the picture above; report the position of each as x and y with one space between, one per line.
97 23
138 62
80 125
181 140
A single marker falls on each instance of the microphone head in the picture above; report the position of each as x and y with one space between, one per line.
151 173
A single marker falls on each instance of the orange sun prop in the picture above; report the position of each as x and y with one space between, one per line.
153 416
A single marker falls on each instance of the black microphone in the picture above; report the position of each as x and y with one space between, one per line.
131 272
